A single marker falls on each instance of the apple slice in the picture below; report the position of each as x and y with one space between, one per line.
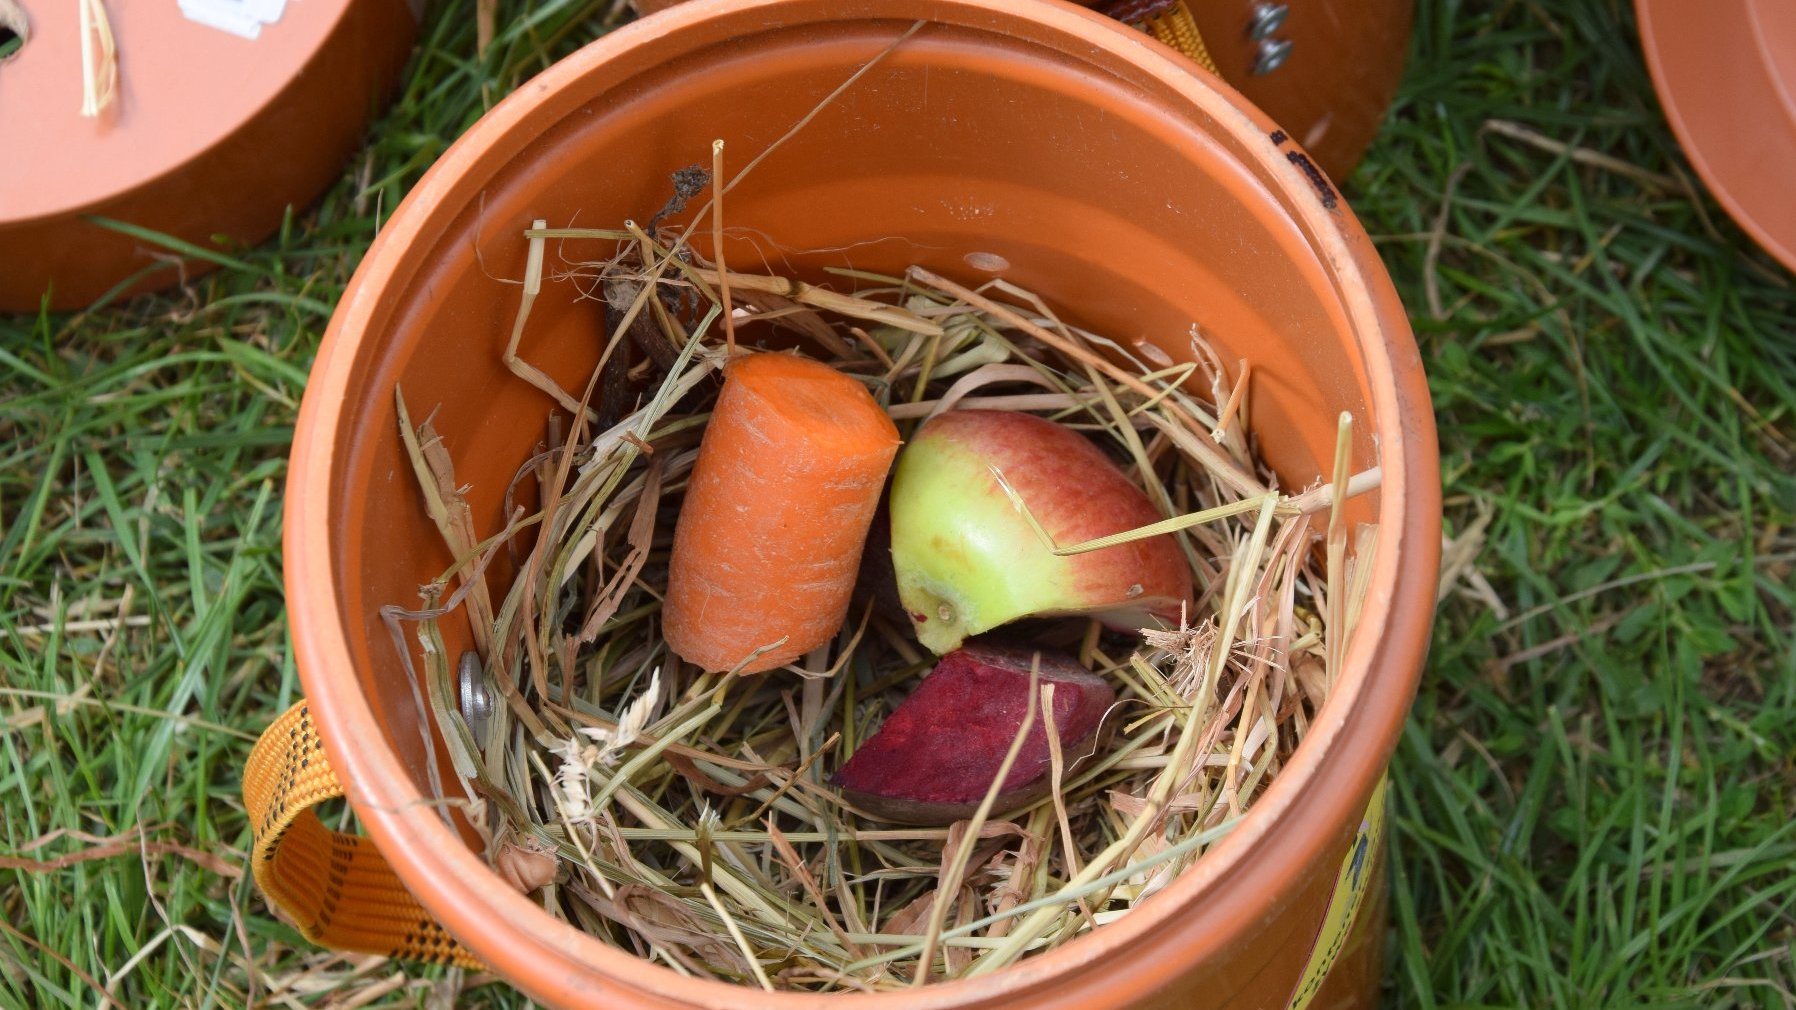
967 560
935 756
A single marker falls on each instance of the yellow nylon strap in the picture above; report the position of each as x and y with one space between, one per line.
336 888
1170 21
1176 28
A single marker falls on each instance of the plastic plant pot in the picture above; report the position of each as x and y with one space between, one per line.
1726 75
1325 70
210 134
1137 195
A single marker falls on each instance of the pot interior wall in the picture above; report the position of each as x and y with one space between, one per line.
1129 221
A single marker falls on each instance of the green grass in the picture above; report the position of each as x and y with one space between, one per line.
1595 793
1593 798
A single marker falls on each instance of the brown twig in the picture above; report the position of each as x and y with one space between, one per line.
124 843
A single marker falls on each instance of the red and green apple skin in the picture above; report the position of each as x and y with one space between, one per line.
967 560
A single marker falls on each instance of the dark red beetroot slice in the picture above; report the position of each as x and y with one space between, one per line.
936 755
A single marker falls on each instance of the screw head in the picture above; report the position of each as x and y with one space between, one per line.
1266 19
476 700
1273 54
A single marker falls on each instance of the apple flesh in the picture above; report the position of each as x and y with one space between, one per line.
934 758
967 560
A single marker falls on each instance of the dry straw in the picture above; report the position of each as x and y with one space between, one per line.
686 816
99 58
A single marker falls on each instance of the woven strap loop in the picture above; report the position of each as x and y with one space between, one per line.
336 888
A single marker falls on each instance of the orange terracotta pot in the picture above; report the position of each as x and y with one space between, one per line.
1331 87
210 134
1139 196
1726 74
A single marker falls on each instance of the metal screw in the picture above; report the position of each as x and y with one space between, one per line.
1267 18
476 700
1273 54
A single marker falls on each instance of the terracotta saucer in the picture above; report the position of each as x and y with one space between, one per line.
210 132
1726 73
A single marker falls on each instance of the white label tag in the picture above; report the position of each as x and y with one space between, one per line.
243 18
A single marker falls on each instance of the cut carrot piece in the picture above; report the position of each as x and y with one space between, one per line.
776 514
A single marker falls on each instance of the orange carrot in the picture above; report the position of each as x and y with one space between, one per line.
769 538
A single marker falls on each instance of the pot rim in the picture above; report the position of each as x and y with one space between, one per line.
1204 910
